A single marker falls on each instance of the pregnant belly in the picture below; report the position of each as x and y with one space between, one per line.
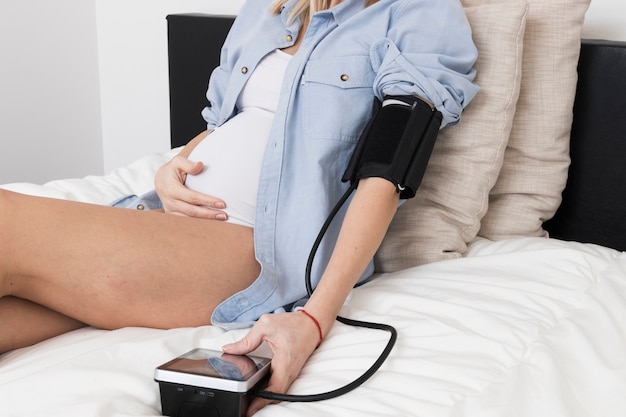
232 156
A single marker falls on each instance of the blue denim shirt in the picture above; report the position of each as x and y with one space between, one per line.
349 56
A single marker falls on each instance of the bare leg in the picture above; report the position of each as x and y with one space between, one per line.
25 323
113 268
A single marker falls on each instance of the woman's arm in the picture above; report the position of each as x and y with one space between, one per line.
362 231
293 337
176 197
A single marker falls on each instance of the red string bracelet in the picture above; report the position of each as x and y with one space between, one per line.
317 324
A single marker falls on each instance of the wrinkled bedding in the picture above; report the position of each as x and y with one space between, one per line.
520 327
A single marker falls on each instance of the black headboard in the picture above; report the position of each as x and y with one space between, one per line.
594 201
194 44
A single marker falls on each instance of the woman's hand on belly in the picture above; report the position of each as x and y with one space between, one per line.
178 199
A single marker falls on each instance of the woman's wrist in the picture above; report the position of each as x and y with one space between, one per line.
317 325
324 310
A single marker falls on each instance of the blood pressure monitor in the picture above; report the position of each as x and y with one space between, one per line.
209 383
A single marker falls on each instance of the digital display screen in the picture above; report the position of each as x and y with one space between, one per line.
217 364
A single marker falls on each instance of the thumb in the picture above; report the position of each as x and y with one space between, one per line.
194 168
183 165
246 345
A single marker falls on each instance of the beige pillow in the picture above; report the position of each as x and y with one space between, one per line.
466 160
528 190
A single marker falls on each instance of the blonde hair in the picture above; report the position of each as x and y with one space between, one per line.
305 8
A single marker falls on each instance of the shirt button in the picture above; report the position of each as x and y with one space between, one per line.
345 77
140 207
288 38
244 70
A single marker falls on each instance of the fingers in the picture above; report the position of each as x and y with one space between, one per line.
292 340
246 345
284 370
178 199
181 200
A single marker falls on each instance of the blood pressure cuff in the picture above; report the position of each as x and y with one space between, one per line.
396 143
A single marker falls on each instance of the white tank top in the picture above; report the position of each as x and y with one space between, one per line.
233 152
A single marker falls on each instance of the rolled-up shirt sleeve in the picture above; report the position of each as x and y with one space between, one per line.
215 95
429 52
213 113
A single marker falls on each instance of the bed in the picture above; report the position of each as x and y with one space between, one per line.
520 317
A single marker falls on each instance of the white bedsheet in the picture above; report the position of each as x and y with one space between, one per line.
523 327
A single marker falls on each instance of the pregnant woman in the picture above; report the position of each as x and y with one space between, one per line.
244 200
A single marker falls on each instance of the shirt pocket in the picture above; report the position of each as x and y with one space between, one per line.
337 96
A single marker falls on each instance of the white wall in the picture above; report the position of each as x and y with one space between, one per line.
83 83
606 19
49 100
132 40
